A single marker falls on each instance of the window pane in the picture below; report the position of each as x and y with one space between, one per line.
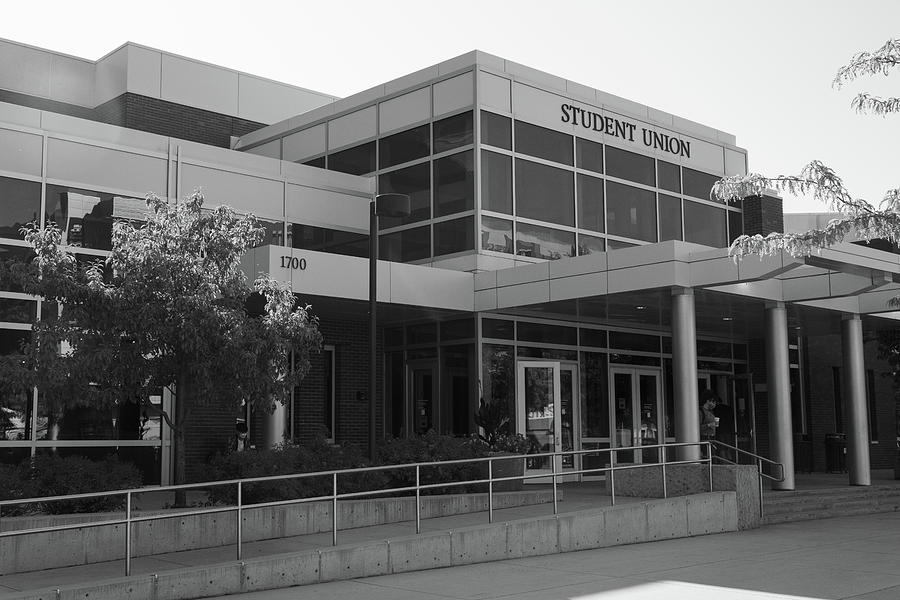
588 244
669 176
704 224
543 242
415 181
543 143
405 246
544 193
498 328
630 166
454 184
403 147
496 182
273 234
15 416
12 339
496 234
10 255
735 225
315 162
590 203
618 245
589 155
332 241
461 329
454 236
669 218
630 212
633 341
423 333
17 311
20 203
547 334
86 217
593 337
452 132
358 160
698 184
496 130
594 398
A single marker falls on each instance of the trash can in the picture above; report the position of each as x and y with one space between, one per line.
835 452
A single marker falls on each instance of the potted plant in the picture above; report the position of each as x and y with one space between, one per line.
493 419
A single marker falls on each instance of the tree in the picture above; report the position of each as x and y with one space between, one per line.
167 308
859 217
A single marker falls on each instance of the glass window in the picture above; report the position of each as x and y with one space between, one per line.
630 212
415 181
454 184
669 218
547 353
423 333
403 147
457 235
498 375
496 234
498 328
594 394
544 193
496 130
332 241
698 184
588 244
704 224
547 334
452 132
315 162
543 143
357 160
496 182
273 232
10 255
406 245
17 311
86 217
393 336
618 245
15 416
621 340
12 339
593 337
20 204
590 203
669 176
461 329
543 242
589 155
630 166
735 225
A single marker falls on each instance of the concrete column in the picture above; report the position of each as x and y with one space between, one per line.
854 382
781 431
275 426
684 371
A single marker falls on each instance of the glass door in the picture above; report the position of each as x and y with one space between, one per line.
744 415
538 409
636 397
423 391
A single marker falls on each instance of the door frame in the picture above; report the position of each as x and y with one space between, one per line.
410 417
635 371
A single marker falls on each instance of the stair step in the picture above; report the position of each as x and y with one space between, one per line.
770 518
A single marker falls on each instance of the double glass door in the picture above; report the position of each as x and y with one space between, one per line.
636 415
545 396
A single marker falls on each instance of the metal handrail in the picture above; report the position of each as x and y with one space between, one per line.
130 518
759 468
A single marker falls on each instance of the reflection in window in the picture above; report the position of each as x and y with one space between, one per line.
498 328
543 143
11 340
496 182
704 224
357 160
735 225
496 130
590 203
273 234
698 184
594 390
588 244
332 241
15 416
415 181
630 166
405 246
669 176
630 212
454 184
452 132
543 242
86 217
669 218
544 193
498 375
454 236
403 147
17 311
589 155
496 234
13 257
21 204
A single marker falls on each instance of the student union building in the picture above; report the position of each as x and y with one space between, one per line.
562 256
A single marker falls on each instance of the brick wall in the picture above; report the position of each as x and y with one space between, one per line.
763 215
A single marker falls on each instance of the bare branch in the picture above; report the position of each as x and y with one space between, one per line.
870 63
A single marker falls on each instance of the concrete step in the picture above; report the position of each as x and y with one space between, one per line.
781 507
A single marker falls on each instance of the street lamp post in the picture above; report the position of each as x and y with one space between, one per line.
383 205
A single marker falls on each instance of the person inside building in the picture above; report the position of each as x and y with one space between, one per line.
725 430
707 417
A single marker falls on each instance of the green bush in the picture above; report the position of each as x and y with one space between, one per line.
432 447
52 475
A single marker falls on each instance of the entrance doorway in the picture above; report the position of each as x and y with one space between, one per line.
546 394
423 391
636 411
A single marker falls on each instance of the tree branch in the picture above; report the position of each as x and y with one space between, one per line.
869 63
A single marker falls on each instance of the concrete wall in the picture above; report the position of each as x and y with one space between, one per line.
173 534
670 518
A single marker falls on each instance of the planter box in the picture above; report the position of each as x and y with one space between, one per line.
513 466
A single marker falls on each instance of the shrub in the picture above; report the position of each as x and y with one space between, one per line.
432 447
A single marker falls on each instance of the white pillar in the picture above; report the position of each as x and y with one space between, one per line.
275 426
781 431
854 381
684 372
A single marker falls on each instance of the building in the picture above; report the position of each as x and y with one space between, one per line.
562 256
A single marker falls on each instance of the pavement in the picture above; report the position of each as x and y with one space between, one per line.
849 557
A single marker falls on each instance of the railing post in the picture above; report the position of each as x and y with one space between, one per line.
240 520
418 502
665 461
553 471
490 491
612 477
759 472
127 534
709 457
334 509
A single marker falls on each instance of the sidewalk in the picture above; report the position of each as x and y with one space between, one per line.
844 558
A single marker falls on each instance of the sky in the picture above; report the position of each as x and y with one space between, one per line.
761 70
